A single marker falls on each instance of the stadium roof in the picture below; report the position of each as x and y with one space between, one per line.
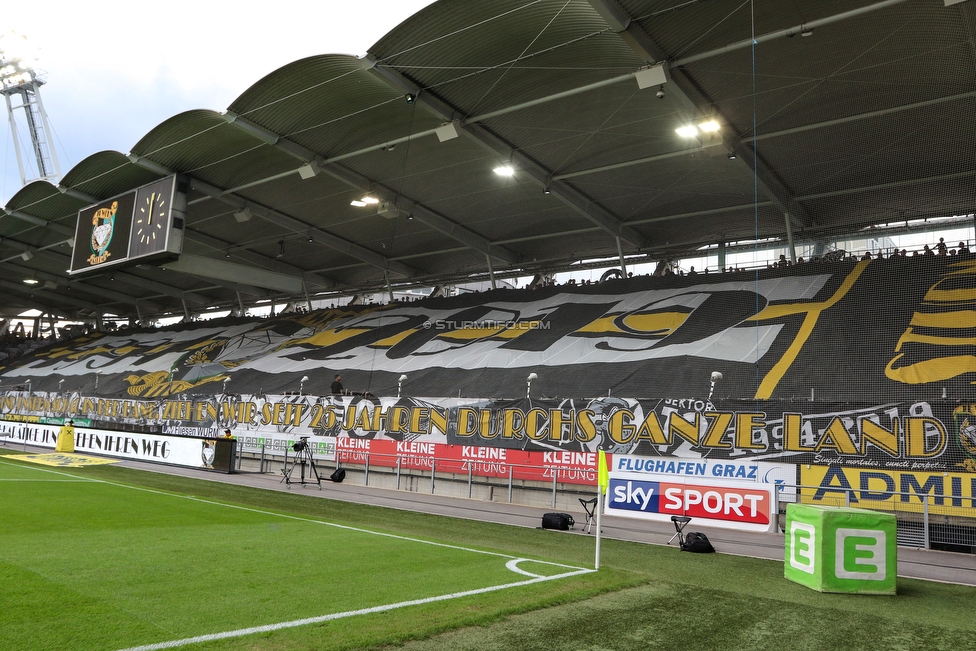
839 114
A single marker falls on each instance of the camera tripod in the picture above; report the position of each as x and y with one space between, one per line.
303 458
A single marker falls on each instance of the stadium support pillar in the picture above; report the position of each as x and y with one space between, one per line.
623 265
721 256
37 327
99 326
4 326
186 311
308 301
240 304
789 239
491 272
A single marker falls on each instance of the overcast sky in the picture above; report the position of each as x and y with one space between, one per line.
115 70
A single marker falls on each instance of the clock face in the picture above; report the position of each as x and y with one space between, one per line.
151 218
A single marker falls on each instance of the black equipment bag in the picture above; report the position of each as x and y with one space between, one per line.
697 542
561 521
338 475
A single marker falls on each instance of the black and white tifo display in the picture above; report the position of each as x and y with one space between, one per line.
867 364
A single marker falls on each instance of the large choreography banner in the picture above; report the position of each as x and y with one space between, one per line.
930 436
875 331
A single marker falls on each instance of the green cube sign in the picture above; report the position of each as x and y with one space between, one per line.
833 549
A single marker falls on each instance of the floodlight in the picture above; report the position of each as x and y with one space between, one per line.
357 203
504 170
716 376
687 131
31 281
709 126
369 199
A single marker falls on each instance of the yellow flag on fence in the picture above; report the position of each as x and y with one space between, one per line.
603 477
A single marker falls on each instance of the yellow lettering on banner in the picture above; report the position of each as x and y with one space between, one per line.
916 430
349 421
744 424
293 415
362 421
171 410
683 428
438 420
378 419
247 412
717 429
329 418
557 420
398 419
619 426
533 429
199 411
873 433
315 417
651 430
486 431
586 424
513 423
467 421
792 429
419 415
836 437
266 413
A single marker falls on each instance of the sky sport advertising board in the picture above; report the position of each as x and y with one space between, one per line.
712 503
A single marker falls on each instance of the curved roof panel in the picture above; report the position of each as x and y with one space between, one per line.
862 120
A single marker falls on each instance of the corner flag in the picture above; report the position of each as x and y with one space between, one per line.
603 477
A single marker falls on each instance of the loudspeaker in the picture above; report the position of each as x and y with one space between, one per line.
338 475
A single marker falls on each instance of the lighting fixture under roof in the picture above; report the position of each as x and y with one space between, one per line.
709 126
368 199
687 131
357 203
31 281
504 170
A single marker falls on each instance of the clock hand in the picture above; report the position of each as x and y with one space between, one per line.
152 200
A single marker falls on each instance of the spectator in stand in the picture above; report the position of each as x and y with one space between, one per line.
941 247
866 256
963 249
927 251
692 272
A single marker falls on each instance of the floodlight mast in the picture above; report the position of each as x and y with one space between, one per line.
19 78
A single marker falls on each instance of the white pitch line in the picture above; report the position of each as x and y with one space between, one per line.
350 613
53 481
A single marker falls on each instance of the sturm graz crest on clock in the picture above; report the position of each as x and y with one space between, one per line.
103 228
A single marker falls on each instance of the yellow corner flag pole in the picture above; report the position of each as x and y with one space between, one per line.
603 480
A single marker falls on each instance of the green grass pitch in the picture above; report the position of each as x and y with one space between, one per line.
107 558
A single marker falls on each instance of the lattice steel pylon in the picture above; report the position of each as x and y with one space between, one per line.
20 80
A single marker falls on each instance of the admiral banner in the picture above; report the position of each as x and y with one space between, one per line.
891 490
877 331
